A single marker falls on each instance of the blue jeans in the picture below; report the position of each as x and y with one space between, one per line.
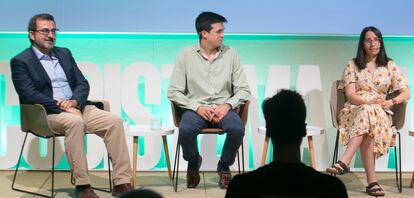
190 126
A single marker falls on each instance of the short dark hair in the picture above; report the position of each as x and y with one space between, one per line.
205 19
285 115
360 59
43 16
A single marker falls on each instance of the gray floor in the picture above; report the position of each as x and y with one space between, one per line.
158 181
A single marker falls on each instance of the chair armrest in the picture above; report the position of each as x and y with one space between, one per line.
398 118
33 118
102 104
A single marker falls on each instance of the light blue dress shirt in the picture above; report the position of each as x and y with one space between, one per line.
60 85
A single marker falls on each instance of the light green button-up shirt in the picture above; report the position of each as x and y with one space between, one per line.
196 81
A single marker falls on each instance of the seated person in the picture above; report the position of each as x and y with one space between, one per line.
48 75
208 82
365 122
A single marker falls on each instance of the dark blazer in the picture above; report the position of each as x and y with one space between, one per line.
33 85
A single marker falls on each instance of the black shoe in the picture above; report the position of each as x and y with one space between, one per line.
121 189
225 178
193 175
85 191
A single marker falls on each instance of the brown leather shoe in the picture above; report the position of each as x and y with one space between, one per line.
121 189
193 175
225 177
85 191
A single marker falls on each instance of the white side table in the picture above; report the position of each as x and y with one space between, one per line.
145 130
311 131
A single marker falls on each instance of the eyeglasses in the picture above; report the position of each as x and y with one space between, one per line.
372 42
47 31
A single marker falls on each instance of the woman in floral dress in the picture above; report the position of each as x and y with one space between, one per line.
365 122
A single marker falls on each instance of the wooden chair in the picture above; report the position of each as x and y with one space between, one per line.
337 102
242 111
33 119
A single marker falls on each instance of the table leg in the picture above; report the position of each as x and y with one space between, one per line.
134 161
264 154
412 181
311 152
167 158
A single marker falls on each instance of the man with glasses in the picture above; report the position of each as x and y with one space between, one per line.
48 75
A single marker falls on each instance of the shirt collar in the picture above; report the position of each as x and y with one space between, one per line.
42 56
198 49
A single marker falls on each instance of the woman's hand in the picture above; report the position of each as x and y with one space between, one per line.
387 104
377 100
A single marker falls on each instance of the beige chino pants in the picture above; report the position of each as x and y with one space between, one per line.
104 124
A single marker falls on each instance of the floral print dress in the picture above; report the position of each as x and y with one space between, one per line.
371 119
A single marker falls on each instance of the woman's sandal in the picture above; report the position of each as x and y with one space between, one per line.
374 189
339 168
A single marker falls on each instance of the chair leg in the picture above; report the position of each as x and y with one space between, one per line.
311 152
109 174
176 165
264 154
167 158
53 166
412 181
242 157
238 161
335 155
17 169
72 180
398 174
18 162
109 178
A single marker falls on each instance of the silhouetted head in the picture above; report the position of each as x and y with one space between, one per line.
285 115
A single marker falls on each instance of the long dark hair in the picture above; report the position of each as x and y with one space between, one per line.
360 59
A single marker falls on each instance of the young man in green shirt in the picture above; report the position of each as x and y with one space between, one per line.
208 82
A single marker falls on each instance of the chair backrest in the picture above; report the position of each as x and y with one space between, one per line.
177 113
398 118
102 104
336 102
242 110
33 118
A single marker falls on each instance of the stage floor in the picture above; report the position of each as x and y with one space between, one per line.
158 181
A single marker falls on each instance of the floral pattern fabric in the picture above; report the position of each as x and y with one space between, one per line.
371 119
